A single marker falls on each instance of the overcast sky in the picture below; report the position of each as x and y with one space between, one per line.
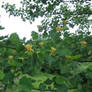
15 24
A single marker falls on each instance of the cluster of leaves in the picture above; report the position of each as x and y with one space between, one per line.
48 61
67 68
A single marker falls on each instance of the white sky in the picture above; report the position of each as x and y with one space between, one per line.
15 24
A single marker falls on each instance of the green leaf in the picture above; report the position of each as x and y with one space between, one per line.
48 81
65 69
34 35
2 75
71 25
64 51
1 84
9 76
25 84
82 67
3 37
66 34
12 63
76 57
42 86
90 66
65 28
54 35
16 42
89 75
14 37
51 60
62 88
73 90
60 80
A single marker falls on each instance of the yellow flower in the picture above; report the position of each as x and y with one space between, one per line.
39 26
52 50
59 29
41 43
68 57
10 58
83 43
28 47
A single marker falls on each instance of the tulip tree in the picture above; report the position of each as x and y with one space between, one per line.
54 59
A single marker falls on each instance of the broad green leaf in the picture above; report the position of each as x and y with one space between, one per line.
2 75
65 69
60 80
40 78
90 65
1 83
51 60
42 86
73 90
12 63
62 88
48 81
89 75
82 67
9 77
34 35
54 35
25 84
76 57
16 42
65 28
14 37
64 51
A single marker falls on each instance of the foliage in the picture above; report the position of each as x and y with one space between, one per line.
1 28
54 59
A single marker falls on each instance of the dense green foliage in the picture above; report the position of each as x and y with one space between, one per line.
53 60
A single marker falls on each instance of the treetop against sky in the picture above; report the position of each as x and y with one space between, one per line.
40 12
